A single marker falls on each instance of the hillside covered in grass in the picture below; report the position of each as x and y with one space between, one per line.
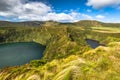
67 55
99 64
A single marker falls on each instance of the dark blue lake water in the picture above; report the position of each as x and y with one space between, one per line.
13 54
93 43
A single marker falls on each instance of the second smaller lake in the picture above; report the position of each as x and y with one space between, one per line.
93 43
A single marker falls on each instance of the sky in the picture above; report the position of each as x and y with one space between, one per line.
60 10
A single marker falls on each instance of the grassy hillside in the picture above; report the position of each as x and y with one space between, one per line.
93 23
99 64
66 50
106 29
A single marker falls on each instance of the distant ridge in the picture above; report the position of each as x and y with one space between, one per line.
85 23
94 23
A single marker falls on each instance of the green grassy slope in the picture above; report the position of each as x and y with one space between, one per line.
99 64
66 51
94 23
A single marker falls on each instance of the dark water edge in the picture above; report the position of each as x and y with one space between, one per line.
15 54
93 43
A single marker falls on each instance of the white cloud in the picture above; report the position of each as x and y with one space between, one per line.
100 16
71 17
23 10
102 3
61 17
26 9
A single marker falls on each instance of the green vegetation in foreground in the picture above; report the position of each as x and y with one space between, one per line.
99 64
67 55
